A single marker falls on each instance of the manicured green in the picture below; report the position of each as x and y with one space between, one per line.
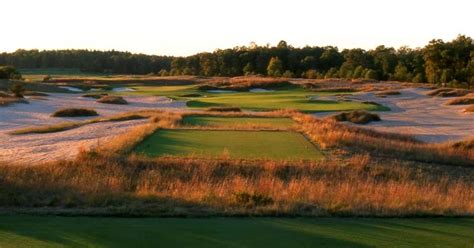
284 99
213 121
292 98
276 145
27 231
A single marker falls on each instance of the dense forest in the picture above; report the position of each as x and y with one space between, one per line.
450 63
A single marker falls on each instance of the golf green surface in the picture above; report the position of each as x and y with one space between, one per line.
27 231
292 98
238 121
276 145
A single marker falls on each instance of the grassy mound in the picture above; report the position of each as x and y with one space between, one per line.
448 92
461 101
112 100
95 95
387 93
224 109
358 117
469 109
74 112
465 145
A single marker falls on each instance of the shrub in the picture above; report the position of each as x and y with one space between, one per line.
74 112
18 89
9 72
224 109
47 78
112 100
358 117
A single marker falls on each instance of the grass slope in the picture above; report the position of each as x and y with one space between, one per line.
237 121
236 144
26 231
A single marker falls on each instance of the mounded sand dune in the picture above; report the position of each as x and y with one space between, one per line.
34 148
426 118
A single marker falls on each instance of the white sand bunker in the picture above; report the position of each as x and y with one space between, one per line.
33 148
72 89
426 118
122 89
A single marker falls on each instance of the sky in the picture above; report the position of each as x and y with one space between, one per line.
185 27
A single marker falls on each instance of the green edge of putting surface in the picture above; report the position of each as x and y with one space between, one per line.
275 145
213 121
30 231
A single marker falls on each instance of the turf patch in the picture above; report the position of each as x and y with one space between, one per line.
212 121
274 145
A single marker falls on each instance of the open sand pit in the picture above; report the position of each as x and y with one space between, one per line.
36 148
426 118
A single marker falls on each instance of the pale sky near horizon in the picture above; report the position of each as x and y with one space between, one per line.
185 27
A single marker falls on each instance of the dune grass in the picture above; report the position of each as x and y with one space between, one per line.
74 124
112 100
233 144
212 121
234 232
461 101
358 117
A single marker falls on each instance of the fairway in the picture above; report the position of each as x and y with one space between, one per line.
284 99
238 121
234 144
26 231
292 98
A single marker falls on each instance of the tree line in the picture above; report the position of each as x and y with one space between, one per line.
439 62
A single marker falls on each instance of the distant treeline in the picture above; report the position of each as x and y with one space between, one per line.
438 62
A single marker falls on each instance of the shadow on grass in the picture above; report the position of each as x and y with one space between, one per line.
234 232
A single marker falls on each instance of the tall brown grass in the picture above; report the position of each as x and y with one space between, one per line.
114 185
328 133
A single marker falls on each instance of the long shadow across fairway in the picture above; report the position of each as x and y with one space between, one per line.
234 232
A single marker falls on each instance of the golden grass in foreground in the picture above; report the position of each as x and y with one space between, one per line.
113 185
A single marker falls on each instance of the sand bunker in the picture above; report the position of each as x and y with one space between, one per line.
122 89
34 148
426 118
72 89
